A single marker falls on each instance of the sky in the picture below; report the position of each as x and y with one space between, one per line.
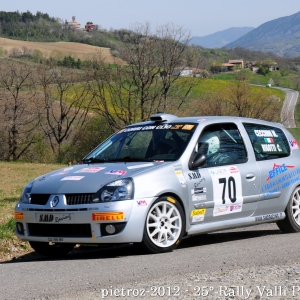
199 17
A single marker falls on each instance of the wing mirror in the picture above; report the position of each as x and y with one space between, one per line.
197 162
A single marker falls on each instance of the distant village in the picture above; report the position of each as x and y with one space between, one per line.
89 26
231 65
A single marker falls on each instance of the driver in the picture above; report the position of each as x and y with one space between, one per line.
209 145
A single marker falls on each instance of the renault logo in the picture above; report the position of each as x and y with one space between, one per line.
54 201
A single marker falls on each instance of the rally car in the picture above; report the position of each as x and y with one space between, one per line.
154 183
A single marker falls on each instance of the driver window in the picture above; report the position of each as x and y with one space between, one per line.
222 144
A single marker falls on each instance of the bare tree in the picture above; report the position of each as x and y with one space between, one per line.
17 109
131 92
66 106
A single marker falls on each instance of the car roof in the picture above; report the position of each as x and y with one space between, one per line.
168 118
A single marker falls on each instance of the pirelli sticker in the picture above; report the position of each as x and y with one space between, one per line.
108 216
188 127
19 216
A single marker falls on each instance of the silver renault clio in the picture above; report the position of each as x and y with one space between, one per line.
154 183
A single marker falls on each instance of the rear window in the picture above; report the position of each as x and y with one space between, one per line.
268 142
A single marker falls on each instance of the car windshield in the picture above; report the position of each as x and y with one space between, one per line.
144 143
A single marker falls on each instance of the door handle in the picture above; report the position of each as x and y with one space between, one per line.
250 175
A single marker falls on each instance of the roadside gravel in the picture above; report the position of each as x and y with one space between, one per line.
266 282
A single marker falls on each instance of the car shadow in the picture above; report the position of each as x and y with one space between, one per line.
85 252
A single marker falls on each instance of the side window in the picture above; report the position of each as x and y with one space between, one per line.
222 144
268 142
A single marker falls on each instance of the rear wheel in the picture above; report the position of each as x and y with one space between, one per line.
291 223
164 226
52 249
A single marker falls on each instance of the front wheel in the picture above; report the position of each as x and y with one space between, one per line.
52 249
164 226
291 223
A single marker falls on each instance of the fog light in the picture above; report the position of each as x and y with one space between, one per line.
20 228
111 229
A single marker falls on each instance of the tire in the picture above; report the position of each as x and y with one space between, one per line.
52 249
164 226
291 222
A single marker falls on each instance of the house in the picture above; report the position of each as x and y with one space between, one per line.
89 26
187 72
72 24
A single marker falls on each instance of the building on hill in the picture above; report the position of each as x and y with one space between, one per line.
89 26
72 24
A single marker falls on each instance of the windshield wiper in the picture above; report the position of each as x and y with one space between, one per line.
93 160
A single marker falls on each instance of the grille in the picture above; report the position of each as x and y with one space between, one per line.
60 230
74 199
40 199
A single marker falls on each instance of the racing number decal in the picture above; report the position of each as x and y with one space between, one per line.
231 189
227 190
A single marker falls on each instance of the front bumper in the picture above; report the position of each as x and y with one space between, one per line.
111 222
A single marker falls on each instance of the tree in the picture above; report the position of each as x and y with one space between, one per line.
66 107
19 117
131 92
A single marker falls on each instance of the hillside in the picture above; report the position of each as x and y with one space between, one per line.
77 50
280 36
220 38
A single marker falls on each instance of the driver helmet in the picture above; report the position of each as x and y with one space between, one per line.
211 141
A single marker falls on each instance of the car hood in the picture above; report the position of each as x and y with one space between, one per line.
89 178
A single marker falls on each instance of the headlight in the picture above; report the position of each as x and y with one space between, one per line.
121 189
26 194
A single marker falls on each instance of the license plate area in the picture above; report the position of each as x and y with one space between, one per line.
55 218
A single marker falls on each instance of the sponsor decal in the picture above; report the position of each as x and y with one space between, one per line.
198 215
180 177
277 170
233 170
188 127
60 173
235 207
265 133
90 170
108 216
219 171
198 190
197 212
176 126
196 184
140 166
194 175
280 181
198 197
116 172
294 144
141 203
54 218
221 210
268 217
54 201
72 178
19 216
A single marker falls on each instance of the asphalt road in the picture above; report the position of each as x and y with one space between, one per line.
288 108
83 272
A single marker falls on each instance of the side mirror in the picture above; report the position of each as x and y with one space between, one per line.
197 162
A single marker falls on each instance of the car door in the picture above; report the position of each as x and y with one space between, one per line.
272 152
228 185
